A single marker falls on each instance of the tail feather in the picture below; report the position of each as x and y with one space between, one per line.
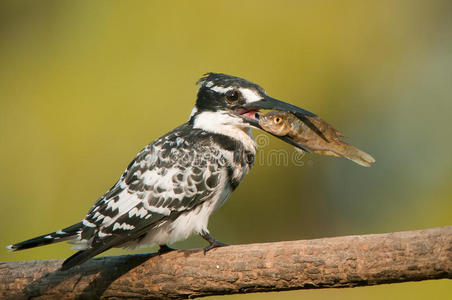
358 156
82 256
47 239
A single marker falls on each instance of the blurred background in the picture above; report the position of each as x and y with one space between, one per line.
84 86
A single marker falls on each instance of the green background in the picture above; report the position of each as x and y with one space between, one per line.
84 86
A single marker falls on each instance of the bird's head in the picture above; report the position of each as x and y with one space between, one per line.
227 94
237 98
225 100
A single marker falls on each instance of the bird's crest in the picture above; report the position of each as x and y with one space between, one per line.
223 80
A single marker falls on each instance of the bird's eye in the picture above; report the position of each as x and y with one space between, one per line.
277 120
232 96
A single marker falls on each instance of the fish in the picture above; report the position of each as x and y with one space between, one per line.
328 143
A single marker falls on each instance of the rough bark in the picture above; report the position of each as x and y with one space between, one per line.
348 261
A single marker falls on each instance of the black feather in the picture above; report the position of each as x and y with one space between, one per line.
81 256
50 238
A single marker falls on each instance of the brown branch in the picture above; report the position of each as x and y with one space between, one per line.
322 263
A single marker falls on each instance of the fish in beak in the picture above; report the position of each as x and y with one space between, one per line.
252 117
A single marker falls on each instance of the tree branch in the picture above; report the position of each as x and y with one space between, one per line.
348 261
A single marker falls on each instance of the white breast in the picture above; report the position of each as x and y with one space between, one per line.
193 221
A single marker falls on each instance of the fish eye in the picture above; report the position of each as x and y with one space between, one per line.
232 96
277 120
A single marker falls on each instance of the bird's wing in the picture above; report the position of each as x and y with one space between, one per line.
168 177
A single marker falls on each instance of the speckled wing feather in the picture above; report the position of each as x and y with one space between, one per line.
168 177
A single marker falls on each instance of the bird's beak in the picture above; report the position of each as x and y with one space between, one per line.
275 104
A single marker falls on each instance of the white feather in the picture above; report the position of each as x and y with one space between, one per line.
193 221
250 95
226 124
88 223
125 202
193 112
123 226
142 212
220 89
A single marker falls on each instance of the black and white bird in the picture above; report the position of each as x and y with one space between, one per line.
175 183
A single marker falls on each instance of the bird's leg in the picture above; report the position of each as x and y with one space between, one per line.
164 249
213 243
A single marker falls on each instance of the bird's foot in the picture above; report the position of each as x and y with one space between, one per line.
213 243
165 249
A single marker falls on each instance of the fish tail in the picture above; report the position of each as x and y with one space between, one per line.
354 154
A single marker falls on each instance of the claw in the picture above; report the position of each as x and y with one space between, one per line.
213 243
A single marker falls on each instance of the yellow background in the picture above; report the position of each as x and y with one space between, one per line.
85 85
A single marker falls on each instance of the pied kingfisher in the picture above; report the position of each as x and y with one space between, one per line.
175 183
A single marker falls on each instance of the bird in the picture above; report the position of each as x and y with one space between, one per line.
172 186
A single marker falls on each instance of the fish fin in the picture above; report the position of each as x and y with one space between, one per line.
338 133
311 125
299 150
327 152
356 155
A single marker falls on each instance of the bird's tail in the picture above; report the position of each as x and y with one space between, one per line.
54 237
354 154
81 256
